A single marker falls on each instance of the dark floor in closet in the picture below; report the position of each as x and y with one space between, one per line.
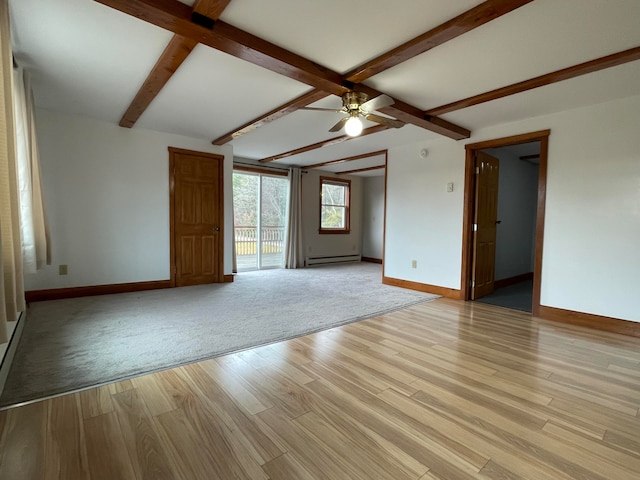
517 296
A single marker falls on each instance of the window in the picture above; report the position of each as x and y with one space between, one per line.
334 205
259 204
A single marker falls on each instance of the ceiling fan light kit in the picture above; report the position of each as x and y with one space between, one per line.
353 126
353 101
357 104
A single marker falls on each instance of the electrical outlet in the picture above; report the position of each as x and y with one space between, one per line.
309 248
414 264
353 248
62 269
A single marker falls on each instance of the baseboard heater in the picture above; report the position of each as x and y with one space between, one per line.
309 261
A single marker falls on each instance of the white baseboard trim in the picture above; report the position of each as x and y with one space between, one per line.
332 259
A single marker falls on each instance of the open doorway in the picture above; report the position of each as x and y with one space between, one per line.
504 220
373 198
512 259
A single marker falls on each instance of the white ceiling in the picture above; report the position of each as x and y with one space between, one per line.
89 59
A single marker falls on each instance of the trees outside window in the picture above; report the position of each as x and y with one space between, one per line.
335 194
259 206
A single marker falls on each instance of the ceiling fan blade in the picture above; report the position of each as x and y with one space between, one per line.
389 122
377 103
338 126
322 109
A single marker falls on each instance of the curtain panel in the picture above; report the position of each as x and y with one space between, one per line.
35 236
293 250
11 282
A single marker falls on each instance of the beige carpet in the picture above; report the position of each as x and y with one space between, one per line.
76 343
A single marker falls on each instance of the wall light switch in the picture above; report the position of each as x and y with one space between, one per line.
450 187
62 270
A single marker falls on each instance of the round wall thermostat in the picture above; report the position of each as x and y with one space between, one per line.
423 153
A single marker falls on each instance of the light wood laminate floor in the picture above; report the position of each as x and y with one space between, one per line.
443 390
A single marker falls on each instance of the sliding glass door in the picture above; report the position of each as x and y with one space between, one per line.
259 203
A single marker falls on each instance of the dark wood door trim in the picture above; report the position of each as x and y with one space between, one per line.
384 217
468 208
172 247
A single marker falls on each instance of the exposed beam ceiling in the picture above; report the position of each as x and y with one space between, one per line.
190 30
449 30
281 111
246 46
347 159
177 51
176 17
213 93
601 63
410 114
473 18
325 143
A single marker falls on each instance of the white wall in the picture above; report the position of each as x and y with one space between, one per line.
314 244
107 200
591 253
424 221
372 216
517 202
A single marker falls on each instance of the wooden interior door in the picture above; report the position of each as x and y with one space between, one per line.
197 219
485 222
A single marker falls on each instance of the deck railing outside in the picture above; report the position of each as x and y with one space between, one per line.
272 240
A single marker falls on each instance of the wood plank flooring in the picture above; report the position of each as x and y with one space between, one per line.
444 390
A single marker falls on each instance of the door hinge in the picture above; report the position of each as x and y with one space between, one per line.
475 227
477 170
473 284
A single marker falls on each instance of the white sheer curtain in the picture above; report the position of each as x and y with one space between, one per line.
11 284
293 251
33 225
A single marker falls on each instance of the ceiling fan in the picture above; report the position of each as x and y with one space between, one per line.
356 105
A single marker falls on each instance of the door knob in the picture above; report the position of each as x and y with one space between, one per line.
216 229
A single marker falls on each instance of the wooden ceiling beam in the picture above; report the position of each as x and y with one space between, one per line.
175 16
290 107
473 18
255 50
360 170
601 63
177 51
347 159
413 115
324 143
